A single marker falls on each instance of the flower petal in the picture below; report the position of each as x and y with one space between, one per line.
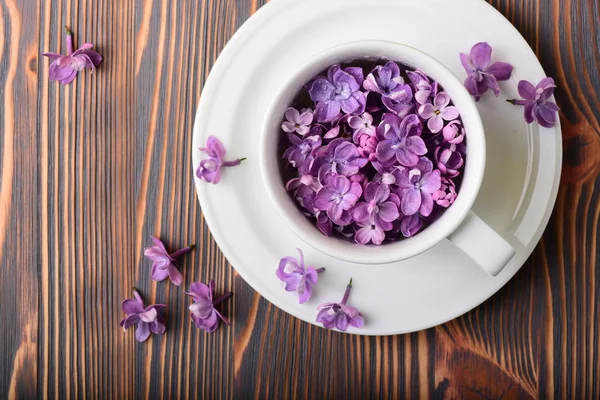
174 275
411 201
142 331
500 70
481 55
526 90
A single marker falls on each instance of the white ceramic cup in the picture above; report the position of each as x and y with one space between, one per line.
458 224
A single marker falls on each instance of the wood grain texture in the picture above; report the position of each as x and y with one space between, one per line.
89 171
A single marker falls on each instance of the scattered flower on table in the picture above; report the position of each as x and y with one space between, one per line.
64 68
536 102
204 314
209 169
297 277
148 319
340 315
481 73
162 261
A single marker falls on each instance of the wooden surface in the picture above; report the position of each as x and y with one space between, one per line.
89 171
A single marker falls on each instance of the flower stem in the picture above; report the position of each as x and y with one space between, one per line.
320 270
183 251
233 163
511 101
347 292
222 298
69 40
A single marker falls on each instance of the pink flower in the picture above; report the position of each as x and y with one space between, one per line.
65 68
436 113
162 262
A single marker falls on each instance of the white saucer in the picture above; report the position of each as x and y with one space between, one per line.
519 188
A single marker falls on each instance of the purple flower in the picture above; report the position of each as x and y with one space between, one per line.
411 225
416 187
369 231
337 196
297 277
148 319
400 139
340 156
362 125
449 160
437 112
482 76
424 89
339 91
65 68
204 314
446 195
340 315
536 101
162 261
300 150
296 122
304 180
367 147
380 205
396 95
209 170
454 132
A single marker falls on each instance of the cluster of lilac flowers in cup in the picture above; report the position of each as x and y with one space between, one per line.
151 319
379 158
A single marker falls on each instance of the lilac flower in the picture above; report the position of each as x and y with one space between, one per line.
300 150
362 125
297 277
209 170
148 319
204 314
416 187
369 232
377 206
337 196
304 180
411 225
340 315
437 112
367 147
162 262
454 132
339 91
446 195
424 89
449 160
400 139
340 157
296 122
396 95
482 76
65 68
324 223
537 106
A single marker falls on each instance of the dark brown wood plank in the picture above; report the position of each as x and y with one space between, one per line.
90 171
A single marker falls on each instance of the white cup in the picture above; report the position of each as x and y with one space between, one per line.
458 223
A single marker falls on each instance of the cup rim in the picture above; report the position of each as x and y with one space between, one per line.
386 253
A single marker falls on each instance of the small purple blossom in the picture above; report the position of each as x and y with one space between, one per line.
297 122
204 315
297 277
369 232
340 157
340 315
424 89
380 205
367 147
386 80
209 169
482 76
301 149
362 125
449 160
337 196
340 91
454 132
536 102
436 113
411 225
446 195
400 139
162 262
65 68
148 319
416 187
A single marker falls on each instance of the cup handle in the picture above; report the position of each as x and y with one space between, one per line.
480 242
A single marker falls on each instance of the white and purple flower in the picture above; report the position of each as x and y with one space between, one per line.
297 277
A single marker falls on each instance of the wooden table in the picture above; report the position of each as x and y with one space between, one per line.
91 170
